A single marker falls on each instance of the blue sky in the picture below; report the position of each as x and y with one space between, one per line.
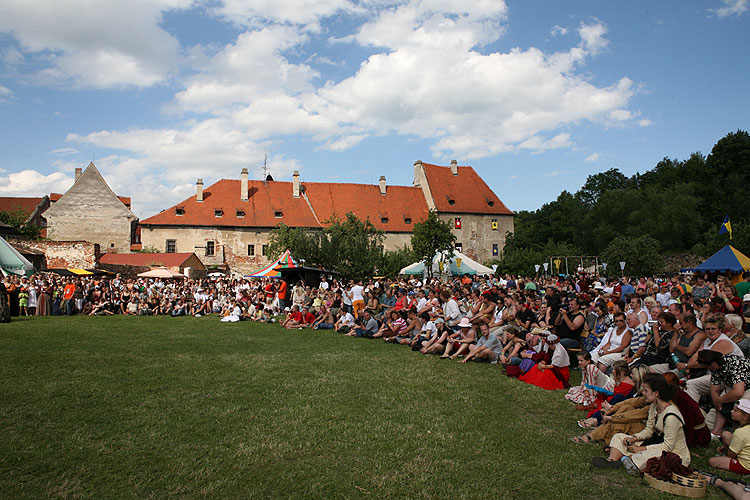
535 95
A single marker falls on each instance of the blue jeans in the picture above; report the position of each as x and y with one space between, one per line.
570 343
324 326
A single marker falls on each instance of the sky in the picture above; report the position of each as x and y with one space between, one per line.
535 95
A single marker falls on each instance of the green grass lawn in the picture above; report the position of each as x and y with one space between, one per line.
125 407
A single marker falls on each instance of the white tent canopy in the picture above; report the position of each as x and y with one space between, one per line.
12 262
457 264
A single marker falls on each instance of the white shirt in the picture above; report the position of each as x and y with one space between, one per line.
356 292
323 285
451 312
615 341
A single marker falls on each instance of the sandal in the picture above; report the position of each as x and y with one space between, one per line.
711 478
582 439
583 425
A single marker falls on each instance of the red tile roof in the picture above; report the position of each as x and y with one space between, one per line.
26 205
145 259
467 190
387 212
267 199
53 197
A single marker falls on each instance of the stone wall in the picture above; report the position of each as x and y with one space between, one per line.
64 254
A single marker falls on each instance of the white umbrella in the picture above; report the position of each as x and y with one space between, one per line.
161 272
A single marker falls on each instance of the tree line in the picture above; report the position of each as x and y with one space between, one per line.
677 207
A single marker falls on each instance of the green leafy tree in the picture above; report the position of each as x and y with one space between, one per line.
17 219
431 237
641 255
348 245
392 261
597 184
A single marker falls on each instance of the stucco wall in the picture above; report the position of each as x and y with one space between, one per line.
477 236
230 244
90 211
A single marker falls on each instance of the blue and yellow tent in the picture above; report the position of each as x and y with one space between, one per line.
727 260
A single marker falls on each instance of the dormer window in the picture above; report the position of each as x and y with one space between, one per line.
278 214
240 214
491 203
451 201
384 220
407 220
218 212
179 211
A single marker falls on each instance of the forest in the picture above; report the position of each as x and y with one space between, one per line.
675 208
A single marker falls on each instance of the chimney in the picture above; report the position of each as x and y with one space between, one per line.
382 185
243 185
454 167
199 190
79 171
295 184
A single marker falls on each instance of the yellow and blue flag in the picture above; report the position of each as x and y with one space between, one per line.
726 227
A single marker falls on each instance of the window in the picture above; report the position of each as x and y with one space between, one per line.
458 223
451 201
240 214
264 250
278 214
494 224
494 249
111 245
171 246
491 203
459 247
218 212
407 220
250 250
179 211
384 220
210 247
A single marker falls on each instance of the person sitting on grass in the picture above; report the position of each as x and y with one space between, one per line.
461 341
324 321
393 327
293 316
514 345
368 327
553 370
345 322
590 375
614 345
427 336
735 446
488 346
633 451
413 327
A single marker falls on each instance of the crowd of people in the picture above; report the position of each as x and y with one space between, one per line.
664 362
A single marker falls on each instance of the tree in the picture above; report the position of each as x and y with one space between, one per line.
392 261
349 246
431 237
597 184
17 219
641 255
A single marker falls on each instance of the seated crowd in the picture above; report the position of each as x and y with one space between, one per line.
664 365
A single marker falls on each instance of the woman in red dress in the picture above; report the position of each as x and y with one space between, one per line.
553 371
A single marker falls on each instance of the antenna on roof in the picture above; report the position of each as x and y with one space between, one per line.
266 173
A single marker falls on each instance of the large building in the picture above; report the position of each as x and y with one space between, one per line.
229 222
90 211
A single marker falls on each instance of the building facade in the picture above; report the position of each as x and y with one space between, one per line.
229 223
90 211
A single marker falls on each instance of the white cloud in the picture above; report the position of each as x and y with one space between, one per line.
64 151
555 173
644 123
92 43
733 8
558 30
5 94
592 36
253 13
592 158
34 183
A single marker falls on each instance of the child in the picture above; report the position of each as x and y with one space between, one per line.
23 302
736 446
